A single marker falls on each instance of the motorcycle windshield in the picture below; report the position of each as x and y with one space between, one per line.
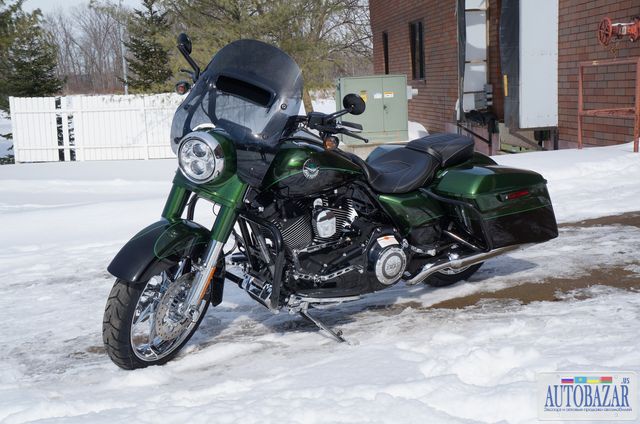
249 89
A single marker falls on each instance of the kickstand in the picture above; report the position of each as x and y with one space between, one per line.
336 335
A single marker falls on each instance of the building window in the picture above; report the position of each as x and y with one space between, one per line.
417 50
475 60
385 51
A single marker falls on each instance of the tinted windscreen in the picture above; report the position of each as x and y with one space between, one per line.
249 90
244 90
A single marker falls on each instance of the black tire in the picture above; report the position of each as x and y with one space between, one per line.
116 327
440 279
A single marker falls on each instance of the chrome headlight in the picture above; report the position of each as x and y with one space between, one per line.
200 157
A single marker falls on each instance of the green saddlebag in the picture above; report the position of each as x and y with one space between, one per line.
514 203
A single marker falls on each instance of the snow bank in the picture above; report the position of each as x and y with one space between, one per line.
587 183
417 130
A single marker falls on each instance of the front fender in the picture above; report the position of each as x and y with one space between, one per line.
158 247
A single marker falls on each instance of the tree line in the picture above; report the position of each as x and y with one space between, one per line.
27 55
81 50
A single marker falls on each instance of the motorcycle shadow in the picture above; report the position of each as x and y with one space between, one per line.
246 321
502 267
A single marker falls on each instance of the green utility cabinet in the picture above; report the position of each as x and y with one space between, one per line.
386 116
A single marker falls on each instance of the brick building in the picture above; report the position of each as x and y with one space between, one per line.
421 39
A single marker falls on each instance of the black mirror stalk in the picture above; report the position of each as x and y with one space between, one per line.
337 114
184 46
191 74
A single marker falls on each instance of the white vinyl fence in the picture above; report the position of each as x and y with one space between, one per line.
51 129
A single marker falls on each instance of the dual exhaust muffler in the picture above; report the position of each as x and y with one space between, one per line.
456 264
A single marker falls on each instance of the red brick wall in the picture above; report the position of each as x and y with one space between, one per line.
434 106
605 87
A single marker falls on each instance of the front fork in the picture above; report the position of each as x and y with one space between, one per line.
220 232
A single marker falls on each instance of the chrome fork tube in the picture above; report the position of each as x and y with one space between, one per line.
203 279
220 232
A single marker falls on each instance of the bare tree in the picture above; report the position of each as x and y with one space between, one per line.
327 38
89 53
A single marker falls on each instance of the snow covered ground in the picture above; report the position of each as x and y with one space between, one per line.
586 183
60 224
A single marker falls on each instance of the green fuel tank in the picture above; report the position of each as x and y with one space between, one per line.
304 168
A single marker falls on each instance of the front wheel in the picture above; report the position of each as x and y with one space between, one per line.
143 324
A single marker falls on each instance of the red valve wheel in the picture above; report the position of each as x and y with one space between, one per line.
605 31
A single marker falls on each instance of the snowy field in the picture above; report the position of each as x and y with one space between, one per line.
405 363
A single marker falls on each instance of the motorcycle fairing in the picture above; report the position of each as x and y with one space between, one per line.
250 89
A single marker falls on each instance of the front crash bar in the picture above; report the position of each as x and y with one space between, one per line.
278 245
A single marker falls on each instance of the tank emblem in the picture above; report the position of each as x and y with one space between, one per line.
310 169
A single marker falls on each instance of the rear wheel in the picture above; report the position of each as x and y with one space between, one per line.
450 276
143 324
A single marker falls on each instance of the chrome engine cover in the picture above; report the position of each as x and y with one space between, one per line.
329 220
325 223
389 260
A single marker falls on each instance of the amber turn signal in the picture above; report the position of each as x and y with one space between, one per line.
331 143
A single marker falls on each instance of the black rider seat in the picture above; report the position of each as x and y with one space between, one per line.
405 169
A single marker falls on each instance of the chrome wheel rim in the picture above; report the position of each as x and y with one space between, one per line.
155 330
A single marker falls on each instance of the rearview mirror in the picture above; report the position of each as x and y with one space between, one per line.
184 46
182 87
354 104
185 41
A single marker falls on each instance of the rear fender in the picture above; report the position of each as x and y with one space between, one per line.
157 248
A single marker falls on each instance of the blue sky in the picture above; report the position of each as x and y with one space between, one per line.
51 5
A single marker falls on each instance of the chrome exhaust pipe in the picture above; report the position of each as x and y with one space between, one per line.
463 262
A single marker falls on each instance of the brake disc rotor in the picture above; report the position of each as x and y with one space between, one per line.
170 321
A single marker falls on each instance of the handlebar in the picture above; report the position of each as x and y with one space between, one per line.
327 124
351 125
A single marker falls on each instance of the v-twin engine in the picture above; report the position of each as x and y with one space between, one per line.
329 245
320 225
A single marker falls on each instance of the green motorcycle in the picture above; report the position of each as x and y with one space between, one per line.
312 225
